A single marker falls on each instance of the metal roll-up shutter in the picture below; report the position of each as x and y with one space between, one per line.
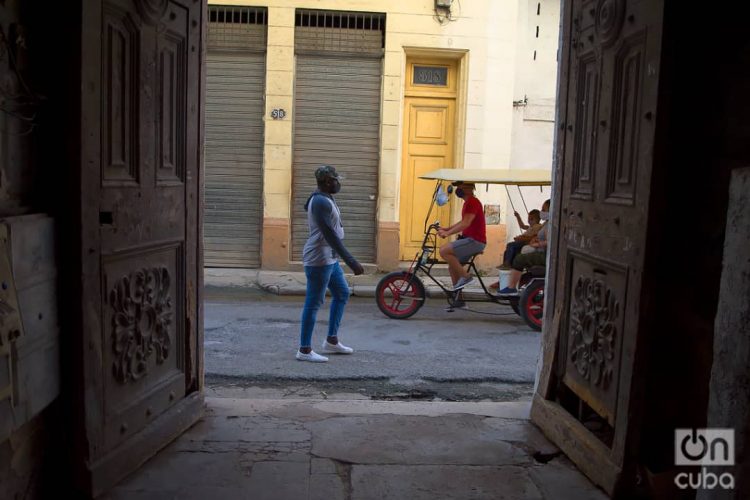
235 83
337 99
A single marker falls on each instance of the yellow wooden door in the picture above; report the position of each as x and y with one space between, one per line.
427 145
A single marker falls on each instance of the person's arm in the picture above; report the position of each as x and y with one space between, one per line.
537 243
520 221
458 227
523 237
449 227
540 240
321 211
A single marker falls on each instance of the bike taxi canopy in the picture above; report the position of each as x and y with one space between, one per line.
520 177
504 176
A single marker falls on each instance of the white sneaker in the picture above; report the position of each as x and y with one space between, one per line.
462 282
336 348
311 356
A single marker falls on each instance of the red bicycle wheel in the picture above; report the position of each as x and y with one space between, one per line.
399 295
531 304
525 278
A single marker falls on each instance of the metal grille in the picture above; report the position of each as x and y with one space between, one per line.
337 122
235 83
237 28
329 31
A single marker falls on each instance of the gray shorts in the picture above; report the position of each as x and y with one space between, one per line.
465 248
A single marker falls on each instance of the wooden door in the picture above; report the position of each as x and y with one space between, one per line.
588 396
428 145
141 349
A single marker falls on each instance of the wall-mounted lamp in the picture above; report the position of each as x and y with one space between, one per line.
443 12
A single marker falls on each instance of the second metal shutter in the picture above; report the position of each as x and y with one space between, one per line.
235 82
337 122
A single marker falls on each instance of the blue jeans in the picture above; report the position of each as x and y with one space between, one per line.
512 249
320 278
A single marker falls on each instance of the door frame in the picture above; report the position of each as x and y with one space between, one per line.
459 57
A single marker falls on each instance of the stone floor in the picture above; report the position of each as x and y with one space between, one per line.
332 448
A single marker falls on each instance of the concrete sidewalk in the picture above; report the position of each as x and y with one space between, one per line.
294 282
340 448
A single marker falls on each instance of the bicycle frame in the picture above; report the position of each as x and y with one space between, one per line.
425 259
423 262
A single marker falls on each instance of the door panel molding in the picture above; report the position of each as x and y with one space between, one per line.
625 150
596 292
584 143
421 131
121 114
172 80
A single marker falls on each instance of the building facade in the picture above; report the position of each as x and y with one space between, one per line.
383 91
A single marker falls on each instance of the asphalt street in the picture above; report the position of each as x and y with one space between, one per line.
253 336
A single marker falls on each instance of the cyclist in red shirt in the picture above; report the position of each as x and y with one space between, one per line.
472 239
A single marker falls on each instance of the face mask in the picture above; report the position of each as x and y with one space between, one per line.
460 193
335 186
544 215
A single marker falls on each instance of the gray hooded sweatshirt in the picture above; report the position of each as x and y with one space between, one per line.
326 232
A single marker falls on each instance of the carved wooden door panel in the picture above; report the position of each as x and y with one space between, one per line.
606 118
141 126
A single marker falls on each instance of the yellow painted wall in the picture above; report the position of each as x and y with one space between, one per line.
277 159
496 38
486 29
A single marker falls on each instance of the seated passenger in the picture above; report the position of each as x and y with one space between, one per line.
533 254
513 248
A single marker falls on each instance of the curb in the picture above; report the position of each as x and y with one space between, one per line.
293 283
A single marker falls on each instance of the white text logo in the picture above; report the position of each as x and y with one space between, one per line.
704 447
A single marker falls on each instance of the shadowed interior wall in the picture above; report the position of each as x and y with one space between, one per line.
704 135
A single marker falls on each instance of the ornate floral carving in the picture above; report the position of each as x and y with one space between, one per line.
609 17
152 10
595 311
140 322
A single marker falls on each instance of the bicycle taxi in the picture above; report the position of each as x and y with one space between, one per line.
401 294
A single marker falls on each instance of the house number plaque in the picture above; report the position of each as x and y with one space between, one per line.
430 75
